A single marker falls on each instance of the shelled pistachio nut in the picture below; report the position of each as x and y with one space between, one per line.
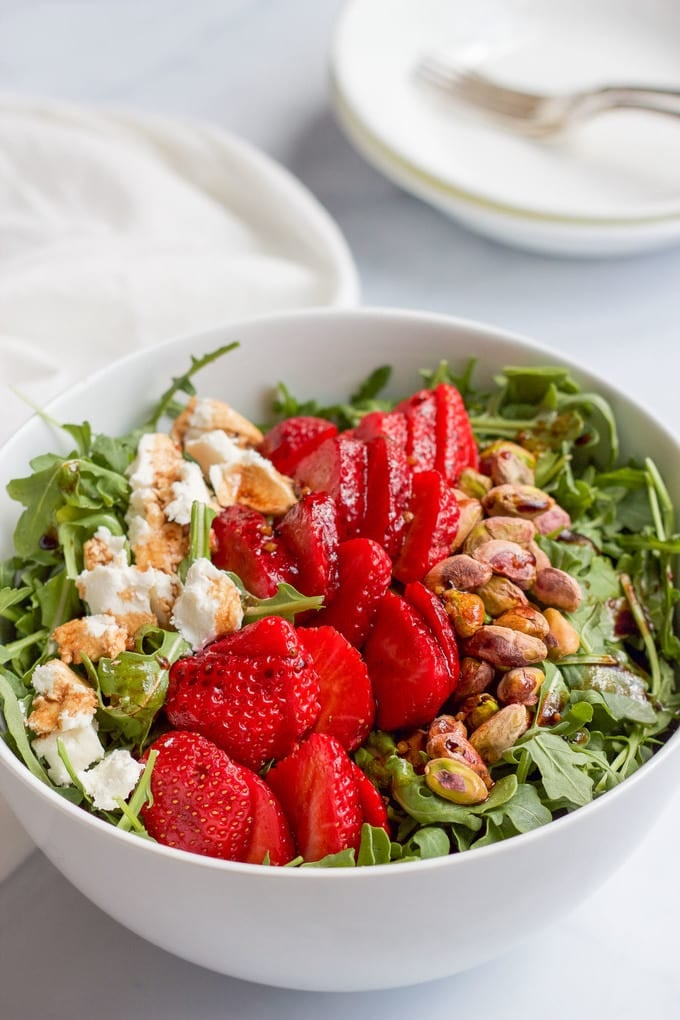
462 572
511 529
447 724
509 560
455 781
541 557
553 521
495 736
505 648
476 709
506 462
525 618
500 594
471 513
466 611
475 676
557 588
562 638
473 483
520 686
516 501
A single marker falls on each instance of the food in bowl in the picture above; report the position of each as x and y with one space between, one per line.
379 631
332 928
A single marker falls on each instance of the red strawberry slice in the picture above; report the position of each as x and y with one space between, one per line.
254 706
388 488
309 531
456 447
437 619
372 805
287 443
201 799
245 544
364 575
409 672
338 467
391 424
434 513
319 793
272 635
270 835
346 695
420 412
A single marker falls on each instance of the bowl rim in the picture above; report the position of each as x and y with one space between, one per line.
216 335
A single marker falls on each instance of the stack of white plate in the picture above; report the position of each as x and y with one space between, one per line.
609 187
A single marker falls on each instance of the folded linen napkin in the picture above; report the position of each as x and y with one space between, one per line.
117 232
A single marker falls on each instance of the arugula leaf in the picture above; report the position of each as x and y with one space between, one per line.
562 767
287 602
183 384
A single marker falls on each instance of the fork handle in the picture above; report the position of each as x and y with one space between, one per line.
657 100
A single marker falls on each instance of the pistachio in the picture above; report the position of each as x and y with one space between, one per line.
474 484
476 708
507 462
498 734
524 618
500 594
476 537
455 745
520 686
553 521
563 638
505 648
447 724
455 781
462 572
508 559
541 557
466 611
511 529
557 588
475 676
471 513
516 501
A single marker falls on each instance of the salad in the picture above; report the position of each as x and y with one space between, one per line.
373 632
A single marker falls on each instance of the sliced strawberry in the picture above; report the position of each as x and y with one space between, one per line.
338 467
364 575
420 412
434 513
319 793
456 447
287 443
270 835
246 545
391 424
254 706
437 619
309 531
388 488
346 695
409 672
272 635
201 799
372 805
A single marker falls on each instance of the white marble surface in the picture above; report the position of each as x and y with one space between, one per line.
258 67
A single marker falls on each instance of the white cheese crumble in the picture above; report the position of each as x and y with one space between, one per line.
125 591
82 746
209 605
241 475
114 777
189 489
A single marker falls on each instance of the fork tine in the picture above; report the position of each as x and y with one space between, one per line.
474 88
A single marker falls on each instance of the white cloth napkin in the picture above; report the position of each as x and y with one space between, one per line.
117 232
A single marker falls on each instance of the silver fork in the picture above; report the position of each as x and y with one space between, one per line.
540 115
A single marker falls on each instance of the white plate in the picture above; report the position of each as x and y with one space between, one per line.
307 263
609 186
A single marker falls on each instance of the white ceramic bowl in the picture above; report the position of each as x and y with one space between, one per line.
336 929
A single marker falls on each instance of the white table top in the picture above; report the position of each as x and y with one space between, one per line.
259 69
